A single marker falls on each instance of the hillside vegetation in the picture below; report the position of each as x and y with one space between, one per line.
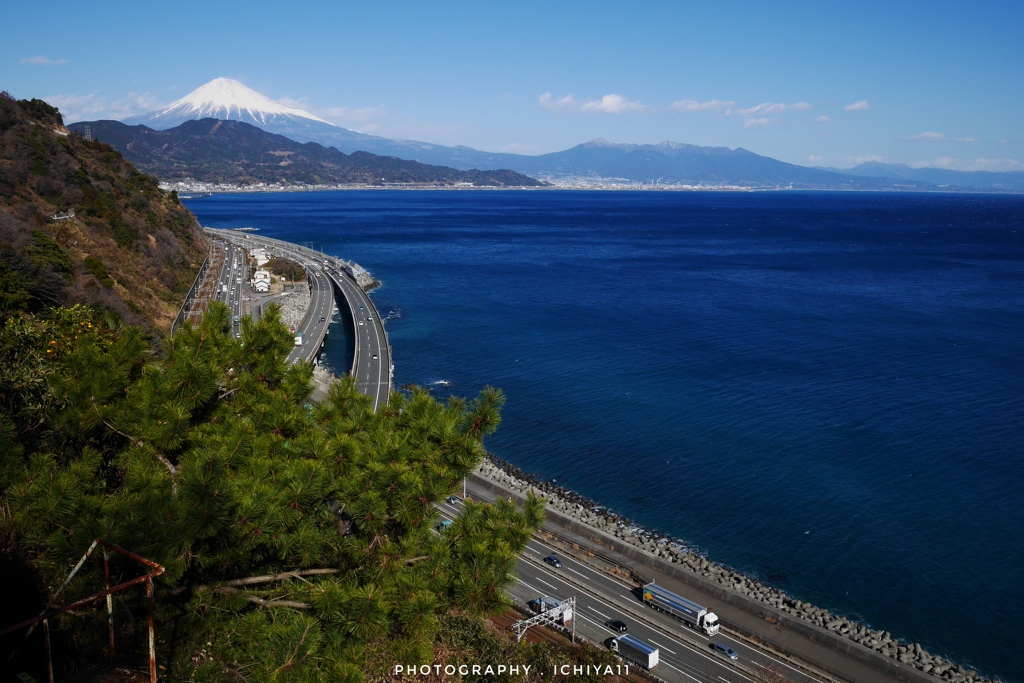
300 540
130 248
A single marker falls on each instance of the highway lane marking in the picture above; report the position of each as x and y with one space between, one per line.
576 572
662 647
693 647
547 584
602 614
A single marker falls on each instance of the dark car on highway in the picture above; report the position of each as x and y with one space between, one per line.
553 561
723 649
616 625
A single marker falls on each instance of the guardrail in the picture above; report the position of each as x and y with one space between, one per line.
190 298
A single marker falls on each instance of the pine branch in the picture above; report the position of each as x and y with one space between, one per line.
269 578
170 466
159 456
291 658
265 603
135 441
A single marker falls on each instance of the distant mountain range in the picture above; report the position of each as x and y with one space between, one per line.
219 151
667 163
1012 181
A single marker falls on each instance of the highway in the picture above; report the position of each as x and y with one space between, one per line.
685 653
371 365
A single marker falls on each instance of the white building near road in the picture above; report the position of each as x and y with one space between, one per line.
261 282
260 255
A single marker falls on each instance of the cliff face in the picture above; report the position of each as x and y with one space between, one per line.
80 224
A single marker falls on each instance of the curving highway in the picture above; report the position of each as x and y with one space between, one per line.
326 276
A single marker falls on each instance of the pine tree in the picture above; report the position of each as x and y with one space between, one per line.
299 541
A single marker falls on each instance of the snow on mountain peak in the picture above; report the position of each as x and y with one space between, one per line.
227 98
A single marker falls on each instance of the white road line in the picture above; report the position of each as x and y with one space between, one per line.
547 584
662 647
576 572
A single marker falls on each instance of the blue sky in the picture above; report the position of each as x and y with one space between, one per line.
816 83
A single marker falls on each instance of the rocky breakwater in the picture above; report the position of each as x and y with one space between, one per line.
362 276
676 551
294 305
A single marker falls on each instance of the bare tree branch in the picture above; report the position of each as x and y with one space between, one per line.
269 578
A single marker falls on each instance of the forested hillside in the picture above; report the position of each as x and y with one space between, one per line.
129 247
300 540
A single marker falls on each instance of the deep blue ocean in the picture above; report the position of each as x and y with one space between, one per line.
824 390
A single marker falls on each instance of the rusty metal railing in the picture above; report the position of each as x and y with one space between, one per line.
49 611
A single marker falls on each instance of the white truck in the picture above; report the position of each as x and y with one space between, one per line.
298 339
697 616
635 650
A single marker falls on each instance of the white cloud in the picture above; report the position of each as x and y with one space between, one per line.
92 106
609 104
755 117
866 158
684 106
361 119
997 165
939 137
861 105
820 119
365 119
773 108
552 103
813 158
613 104
980 164
43 60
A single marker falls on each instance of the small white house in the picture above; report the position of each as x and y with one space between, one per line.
261 281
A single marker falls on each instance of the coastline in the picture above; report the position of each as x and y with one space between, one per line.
688 558
668 549
678 552
658 544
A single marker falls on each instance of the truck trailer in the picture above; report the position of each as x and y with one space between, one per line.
635 650
697 616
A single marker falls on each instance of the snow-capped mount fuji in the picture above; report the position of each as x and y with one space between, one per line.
668 162
227 99
223 98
